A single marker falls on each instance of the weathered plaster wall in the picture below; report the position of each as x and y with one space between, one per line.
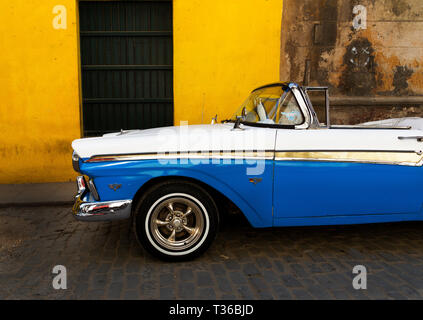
321 46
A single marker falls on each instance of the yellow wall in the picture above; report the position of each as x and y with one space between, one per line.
222 50
39 92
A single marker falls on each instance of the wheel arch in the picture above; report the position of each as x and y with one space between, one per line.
220 199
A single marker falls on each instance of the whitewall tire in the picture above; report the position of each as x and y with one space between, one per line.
176 220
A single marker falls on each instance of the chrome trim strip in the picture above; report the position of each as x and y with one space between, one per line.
418 138
395 157
93 190
265 155
409 158
84 210
366 126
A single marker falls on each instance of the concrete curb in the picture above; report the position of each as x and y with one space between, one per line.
37 194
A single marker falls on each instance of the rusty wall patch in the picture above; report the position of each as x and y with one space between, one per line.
399 7
321 46
359 77
401 75
325 33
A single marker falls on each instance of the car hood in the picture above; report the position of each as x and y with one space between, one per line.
177 139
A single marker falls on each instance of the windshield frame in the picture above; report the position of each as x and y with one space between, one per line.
302 105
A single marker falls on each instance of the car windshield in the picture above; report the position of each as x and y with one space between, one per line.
270 105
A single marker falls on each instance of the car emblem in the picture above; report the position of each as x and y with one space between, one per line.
255 180
114 186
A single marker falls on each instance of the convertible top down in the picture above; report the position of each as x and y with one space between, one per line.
274 159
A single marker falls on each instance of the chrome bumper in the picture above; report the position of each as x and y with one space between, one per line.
84 210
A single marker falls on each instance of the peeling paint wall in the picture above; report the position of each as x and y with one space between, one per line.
358 48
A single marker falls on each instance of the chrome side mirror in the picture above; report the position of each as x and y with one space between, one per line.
214 119
237 124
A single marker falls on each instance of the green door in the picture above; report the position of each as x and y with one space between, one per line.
127 72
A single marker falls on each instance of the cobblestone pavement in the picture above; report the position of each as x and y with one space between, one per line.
104 261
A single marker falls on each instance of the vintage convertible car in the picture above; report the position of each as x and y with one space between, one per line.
274 160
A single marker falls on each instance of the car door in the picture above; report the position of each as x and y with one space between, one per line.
342 172
346 172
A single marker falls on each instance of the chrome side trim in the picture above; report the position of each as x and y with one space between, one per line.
366 126
93 190
264 155
101 211
418 138
407 158
394 157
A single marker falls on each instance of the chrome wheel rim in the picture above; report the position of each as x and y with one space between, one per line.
177 223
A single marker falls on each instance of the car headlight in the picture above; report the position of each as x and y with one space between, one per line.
75 161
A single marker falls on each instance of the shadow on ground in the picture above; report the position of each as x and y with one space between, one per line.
104 261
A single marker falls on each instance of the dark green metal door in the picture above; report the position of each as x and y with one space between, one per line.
127 72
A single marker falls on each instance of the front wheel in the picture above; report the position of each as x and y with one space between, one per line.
176 220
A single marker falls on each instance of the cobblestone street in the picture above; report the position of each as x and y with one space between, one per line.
104 261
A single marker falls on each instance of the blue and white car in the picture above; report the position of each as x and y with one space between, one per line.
274 160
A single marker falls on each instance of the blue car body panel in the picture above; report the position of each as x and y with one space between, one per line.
319 189
291 193
254 200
